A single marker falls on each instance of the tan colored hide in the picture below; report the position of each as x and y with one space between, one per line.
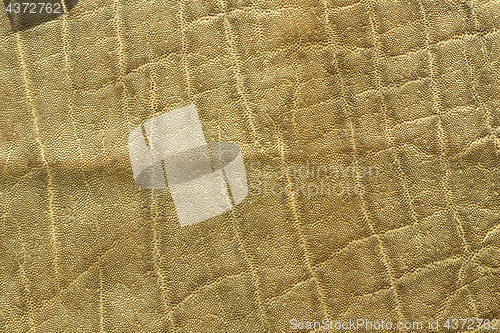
407 90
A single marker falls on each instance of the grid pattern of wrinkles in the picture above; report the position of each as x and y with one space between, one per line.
283 117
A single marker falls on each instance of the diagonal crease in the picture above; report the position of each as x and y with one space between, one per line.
121 60
402 178
185 65
25 279
437 105
50 191
479 100
67 70
236 69
332 40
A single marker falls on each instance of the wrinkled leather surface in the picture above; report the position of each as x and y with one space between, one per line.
410 88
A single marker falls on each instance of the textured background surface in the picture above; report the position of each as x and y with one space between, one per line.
410 87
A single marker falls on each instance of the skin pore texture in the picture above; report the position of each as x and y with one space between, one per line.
407 88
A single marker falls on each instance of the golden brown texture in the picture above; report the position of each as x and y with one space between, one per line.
410 87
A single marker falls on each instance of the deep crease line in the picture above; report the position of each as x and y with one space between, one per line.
36 131
332 41
437 105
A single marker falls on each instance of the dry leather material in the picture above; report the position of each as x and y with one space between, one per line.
370 136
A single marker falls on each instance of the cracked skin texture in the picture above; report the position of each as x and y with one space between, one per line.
409 87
